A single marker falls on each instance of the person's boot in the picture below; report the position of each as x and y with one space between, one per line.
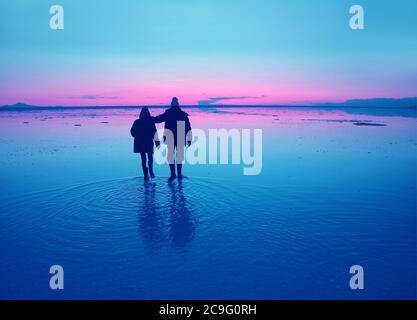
151 173
172 169
179 170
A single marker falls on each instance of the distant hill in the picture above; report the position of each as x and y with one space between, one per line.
374 103
19 105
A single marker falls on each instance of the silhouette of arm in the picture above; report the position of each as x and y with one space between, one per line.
160 118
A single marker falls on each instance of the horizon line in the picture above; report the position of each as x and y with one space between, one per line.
329 106
350 103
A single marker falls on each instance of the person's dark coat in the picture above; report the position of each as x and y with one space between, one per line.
143 130
171 117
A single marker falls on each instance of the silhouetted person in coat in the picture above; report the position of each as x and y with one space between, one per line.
177 134
143 130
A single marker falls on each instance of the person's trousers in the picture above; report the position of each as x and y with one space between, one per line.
150 163
175 156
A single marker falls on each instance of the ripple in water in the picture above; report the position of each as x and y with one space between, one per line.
207 230
110 213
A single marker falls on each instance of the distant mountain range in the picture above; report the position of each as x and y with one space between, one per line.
354 103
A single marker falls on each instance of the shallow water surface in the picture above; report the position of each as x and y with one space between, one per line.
331 194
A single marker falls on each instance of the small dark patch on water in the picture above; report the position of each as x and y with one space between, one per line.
369 124
77 125
354 122
104 122
25 122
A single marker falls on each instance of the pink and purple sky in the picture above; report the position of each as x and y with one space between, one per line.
205 52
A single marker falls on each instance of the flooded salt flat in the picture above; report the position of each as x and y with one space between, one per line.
337 188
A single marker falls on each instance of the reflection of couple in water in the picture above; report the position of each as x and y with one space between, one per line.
168 218
177 133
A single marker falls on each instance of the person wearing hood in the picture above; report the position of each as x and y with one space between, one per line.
143 130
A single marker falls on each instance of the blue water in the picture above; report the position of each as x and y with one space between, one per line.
331 195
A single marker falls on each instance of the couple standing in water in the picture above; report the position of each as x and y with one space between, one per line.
177 133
